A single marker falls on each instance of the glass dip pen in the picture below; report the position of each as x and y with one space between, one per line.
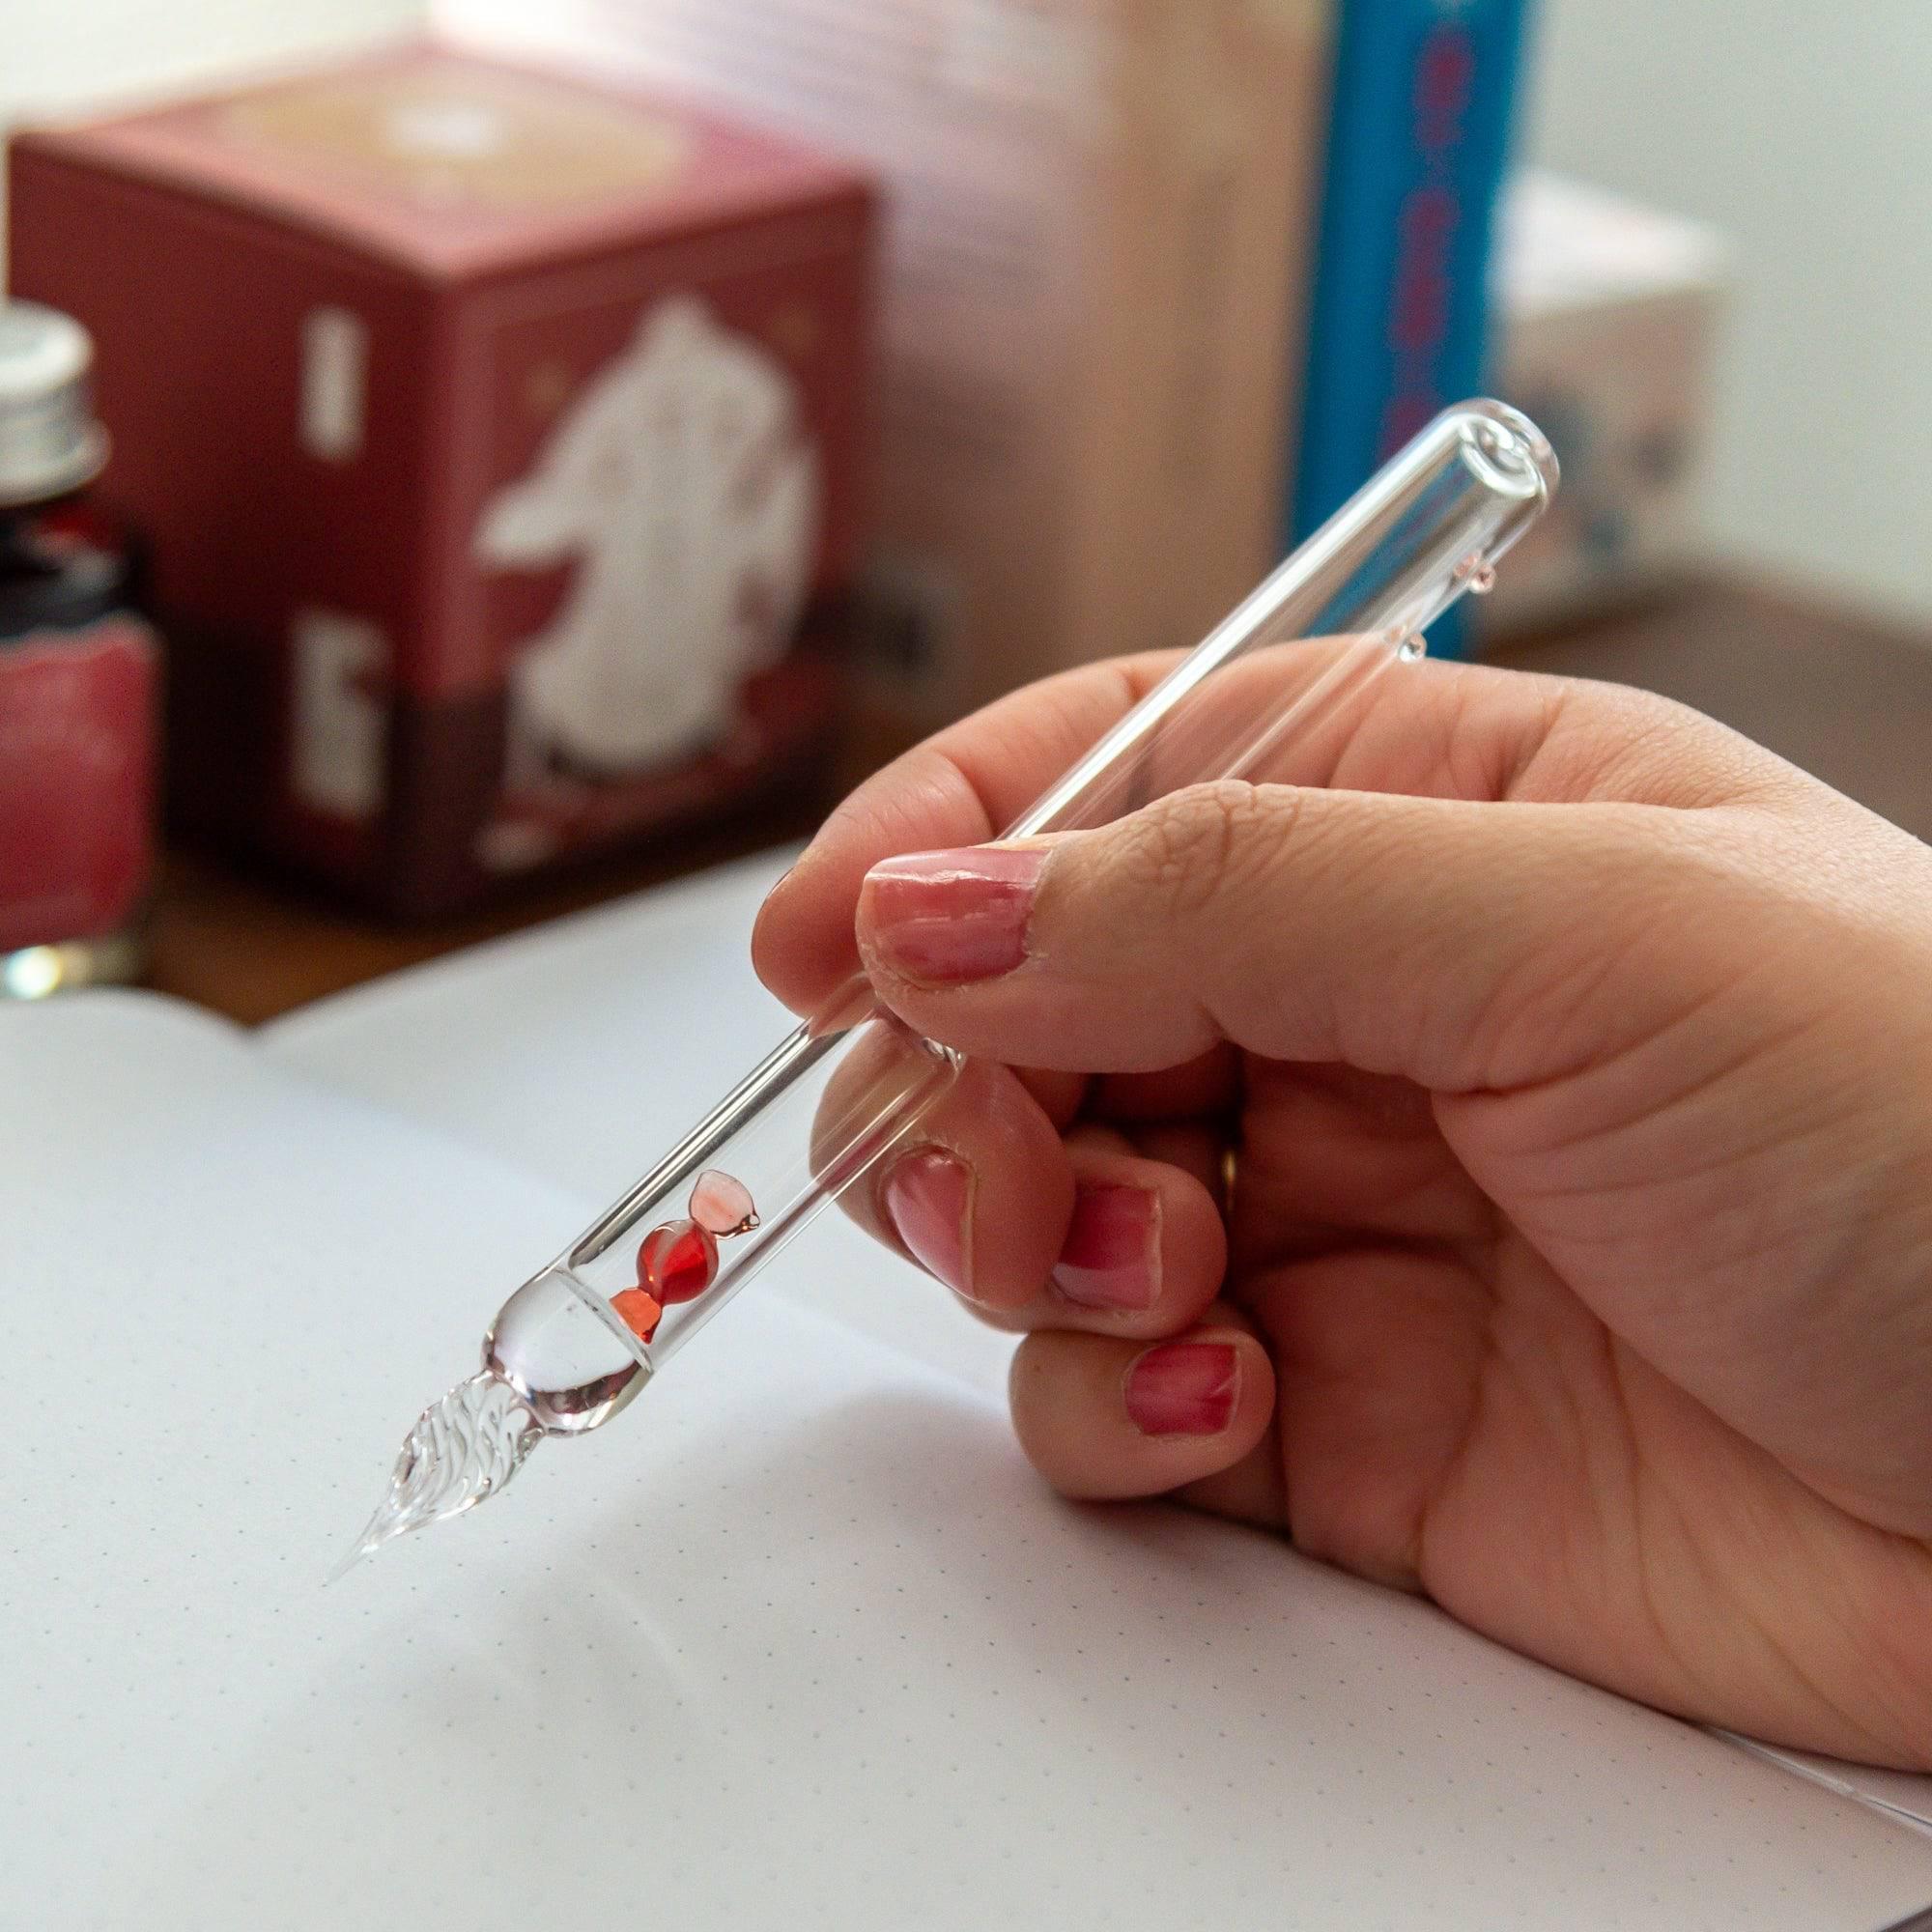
1279 677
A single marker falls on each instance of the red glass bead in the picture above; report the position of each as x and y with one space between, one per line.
639 1311
721 1205
677 1261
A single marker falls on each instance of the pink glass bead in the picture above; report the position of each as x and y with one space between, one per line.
721 1205
677 1261
639 1311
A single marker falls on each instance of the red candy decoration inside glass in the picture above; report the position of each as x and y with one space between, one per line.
677 1261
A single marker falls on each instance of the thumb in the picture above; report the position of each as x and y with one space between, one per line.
1461 945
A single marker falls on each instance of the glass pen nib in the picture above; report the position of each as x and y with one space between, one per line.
462 1451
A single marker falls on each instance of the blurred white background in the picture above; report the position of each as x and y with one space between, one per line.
1801 131
62 53
1804 133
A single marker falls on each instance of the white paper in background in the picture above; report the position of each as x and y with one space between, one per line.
577 1050
797 1643
1910 1795
1904 1794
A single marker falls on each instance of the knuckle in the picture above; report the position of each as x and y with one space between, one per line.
1644 747
1193 848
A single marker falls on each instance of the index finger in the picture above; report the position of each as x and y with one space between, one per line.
1438 731
960 787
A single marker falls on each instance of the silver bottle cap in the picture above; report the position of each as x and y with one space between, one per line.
50 442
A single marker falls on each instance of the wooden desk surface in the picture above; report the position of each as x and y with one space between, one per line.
1848 699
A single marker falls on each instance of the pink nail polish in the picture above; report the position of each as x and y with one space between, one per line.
929 1194
1111 1258
952 917
1183 1388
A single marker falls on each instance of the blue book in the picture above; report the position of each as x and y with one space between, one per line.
1419 132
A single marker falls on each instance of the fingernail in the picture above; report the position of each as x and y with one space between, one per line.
1183 1388
950 916
928 1195
1111 1258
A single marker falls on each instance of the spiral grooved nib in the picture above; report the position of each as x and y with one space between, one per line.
462 1451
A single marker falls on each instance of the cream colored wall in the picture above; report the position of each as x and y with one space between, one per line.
1804 132
60 53
65 56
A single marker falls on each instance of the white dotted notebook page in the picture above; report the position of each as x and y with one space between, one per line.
796 1641
529 1048
535 1049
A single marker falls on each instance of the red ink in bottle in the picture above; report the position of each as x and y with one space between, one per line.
78 682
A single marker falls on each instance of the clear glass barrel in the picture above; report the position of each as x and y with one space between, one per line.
579 1340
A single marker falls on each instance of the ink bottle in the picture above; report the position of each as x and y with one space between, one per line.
79 676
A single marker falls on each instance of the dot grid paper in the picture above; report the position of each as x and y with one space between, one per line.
798 1641
568 1014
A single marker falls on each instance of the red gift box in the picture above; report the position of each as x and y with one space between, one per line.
496 436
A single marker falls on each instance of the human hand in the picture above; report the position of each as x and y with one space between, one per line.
1571 1058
